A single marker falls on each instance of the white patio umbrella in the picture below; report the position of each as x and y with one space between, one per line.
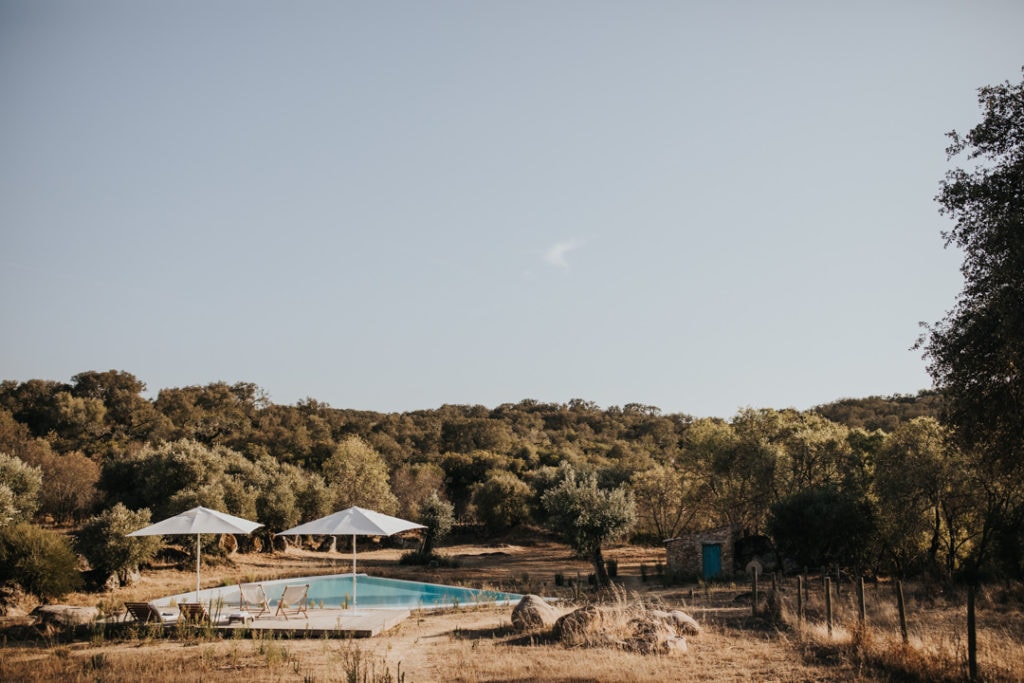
354 521
199 520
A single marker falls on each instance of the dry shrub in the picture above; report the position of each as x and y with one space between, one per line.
627 624
936 649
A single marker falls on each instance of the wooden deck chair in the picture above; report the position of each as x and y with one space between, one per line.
194 613
293 600
145 612
253 599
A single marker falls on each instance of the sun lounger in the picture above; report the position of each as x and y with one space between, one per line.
253 599
194 613
293 601
146 612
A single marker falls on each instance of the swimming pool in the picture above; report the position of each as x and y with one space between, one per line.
335 591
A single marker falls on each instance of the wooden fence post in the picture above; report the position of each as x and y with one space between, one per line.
972 636
903 612
828 605
800 599
754 601
862 611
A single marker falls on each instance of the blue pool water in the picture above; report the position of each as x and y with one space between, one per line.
335 591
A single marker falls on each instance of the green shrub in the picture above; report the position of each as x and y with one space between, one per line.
438 516
40 561
502 501
19 489
104 541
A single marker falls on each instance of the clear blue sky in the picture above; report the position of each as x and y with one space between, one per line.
396 205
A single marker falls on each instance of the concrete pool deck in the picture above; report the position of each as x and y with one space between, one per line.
323 623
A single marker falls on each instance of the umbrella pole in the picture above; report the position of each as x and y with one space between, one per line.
198 546
354 601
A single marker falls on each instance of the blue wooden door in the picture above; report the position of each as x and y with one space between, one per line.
712 560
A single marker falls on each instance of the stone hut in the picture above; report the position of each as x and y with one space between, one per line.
704 554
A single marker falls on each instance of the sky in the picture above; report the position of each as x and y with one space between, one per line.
393 206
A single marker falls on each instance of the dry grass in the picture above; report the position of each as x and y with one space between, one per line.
480 645
936 646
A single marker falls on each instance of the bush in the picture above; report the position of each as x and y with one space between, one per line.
105 542
19 489
502 502
821 526
39 561
438 516
416 558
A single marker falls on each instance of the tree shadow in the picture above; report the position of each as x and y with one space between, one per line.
506 635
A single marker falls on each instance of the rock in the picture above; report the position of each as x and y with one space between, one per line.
12 601
649 635
580 626
111 584
682 622
66 615
676 645
533 612
228 543
130 577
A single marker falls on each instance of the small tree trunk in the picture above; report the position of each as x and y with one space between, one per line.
427 545
933 547
600 571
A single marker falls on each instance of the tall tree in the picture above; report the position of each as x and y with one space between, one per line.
589 516
976 353
666 500
359 476
913 473
19 490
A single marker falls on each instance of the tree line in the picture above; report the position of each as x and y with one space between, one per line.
72 450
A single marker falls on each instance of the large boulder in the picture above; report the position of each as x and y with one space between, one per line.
228 543
582 626
66 615
14 602
650 635
533 613
682 622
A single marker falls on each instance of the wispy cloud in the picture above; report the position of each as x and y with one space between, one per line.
556 253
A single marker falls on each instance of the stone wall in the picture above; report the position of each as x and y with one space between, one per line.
686 553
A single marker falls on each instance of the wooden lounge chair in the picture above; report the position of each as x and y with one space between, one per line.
253 599
146 612
293 600
194 613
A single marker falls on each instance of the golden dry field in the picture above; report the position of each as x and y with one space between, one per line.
479 644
